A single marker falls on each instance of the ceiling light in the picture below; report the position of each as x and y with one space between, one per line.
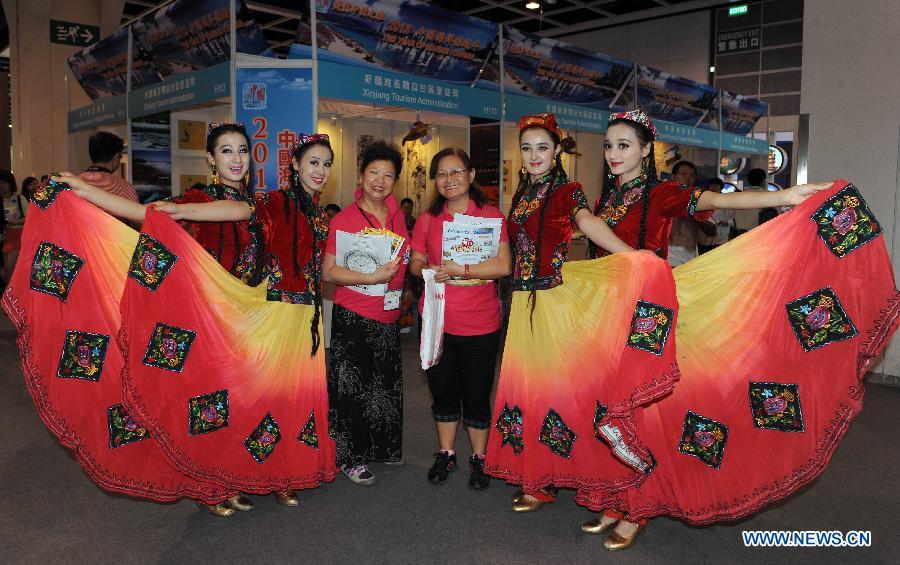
532 5
712 69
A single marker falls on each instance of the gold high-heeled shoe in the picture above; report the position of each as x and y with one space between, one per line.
240 502
598 526
616 541
222 510
533 504
517 495
287 498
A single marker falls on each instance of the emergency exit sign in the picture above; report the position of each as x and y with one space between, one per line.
72 33
738 10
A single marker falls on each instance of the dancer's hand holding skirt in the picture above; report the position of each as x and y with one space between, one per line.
223 377
64 300
596 347
775 334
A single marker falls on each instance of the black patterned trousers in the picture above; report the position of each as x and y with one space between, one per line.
365 389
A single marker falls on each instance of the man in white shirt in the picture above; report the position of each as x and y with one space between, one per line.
723 219
684 233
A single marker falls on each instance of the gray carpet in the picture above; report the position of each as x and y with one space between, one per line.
51 512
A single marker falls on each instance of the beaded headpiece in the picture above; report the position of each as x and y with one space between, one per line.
304 139
216 125
638 117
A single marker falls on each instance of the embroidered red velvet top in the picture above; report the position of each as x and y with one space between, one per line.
622 212
562 201
287 233
235 245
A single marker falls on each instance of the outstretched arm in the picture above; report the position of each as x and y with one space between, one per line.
115 205
600 233
218 211
749 200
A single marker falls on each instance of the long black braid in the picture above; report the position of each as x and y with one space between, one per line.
557 178
648 169
303 204
244 194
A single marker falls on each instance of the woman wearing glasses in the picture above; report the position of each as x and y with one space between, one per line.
464 376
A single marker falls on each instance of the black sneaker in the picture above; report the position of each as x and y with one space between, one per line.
444 464
477 479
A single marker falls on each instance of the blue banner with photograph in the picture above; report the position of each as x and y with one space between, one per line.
102 68
400 35
181 90
187 35
740 113
675 99
276 105
390 88
547 68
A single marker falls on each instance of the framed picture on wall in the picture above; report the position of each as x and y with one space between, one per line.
363 141
185 182
510 182
192 135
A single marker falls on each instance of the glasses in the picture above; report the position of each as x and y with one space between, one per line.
455 174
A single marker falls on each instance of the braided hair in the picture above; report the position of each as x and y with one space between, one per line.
218 191
557 177
648 169
303 204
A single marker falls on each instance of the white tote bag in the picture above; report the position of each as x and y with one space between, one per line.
432 321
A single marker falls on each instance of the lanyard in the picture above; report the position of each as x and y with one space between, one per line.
366 216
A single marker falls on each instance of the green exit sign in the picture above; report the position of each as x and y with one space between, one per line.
738 10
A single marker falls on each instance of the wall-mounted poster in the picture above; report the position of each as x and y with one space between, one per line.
362 142
151 157
186 182
192 135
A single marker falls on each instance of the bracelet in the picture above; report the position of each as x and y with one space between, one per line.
466 272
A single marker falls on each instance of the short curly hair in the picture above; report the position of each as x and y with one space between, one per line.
381 151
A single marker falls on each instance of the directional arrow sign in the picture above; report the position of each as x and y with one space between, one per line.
71 33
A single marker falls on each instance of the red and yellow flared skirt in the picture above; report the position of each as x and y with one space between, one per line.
776 331
64 300
596 348
224 378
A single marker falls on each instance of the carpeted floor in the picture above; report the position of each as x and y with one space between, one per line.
52 513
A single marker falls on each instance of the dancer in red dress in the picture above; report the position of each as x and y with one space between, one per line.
567 345
64 301
251 387
235 245
774 337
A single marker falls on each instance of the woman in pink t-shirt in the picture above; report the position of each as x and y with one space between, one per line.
465 373
365 386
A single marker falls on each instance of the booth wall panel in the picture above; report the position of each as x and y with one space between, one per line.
788 81
782 58
849 91
783 105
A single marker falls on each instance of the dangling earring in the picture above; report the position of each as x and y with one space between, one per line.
215 175
247 179
523 171
645 167
295 179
